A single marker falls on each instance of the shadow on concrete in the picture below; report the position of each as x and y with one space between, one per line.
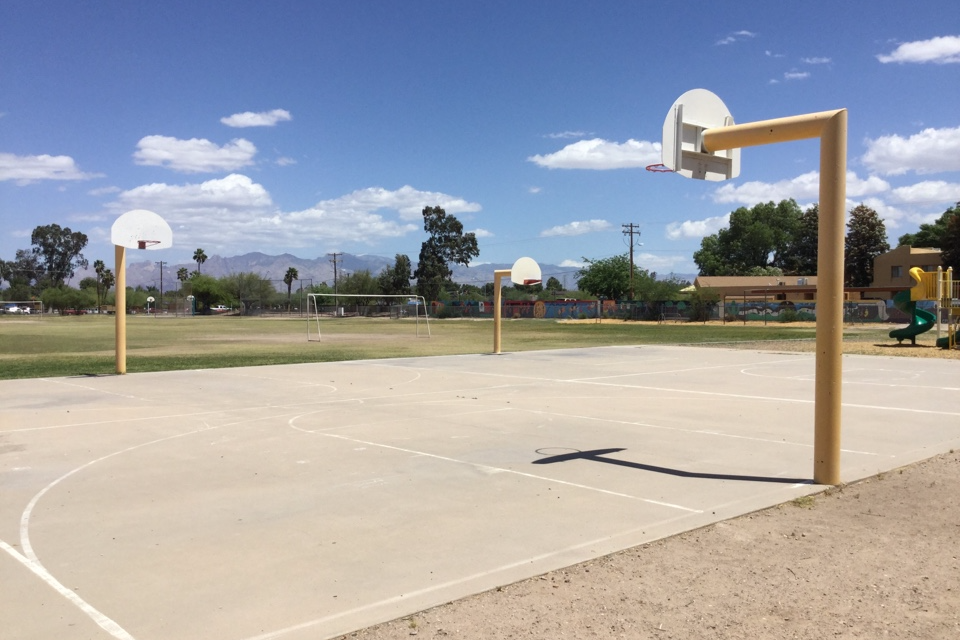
597 455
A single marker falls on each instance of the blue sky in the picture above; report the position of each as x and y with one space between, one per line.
311 127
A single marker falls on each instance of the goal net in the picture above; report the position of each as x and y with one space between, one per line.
326 305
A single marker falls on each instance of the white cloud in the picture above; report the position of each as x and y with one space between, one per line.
235 193
736 37
803 187
283 161
482 233
577 228
796 75
196 155
662 264
930 151
103 191
928 192
534 190
696 228
567 134
406 200
601 154
261 119
572 264
942 50
27 169
235 214
815 60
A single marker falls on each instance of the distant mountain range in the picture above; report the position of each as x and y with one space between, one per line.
315 271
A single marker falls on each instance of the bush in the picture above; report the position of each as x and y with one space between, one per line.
788 315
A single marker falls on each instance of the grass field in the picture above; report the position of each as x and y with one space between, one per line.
85 345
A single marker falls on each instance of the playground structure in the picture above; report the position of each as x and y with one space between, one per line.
930 285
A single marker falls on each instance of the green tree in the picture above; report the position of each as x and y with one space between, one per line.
608 277
59 251
648 288
360 283
199 257
932 235
64 298
553 285
800 257
756 237
395 280
251 290
446 243
866 239
950 254
288 279
182 275
206 291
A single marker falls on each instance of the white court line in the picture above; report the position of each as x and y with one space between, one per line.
810 378
272 635
64 382
105 622
682 430
742 396
686 370
30 560
486 468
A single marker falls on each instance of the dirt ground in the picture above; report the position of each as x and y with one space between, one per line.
874 559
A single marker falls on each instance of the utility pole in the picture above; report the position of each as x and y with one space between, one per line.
336 302
631 229
161 263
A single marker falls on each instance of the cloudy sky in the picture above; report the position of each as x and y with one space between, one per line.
311 127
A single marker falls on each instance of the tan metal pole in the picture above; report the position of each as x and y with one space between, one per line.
120 311
829 369
497 277
831 128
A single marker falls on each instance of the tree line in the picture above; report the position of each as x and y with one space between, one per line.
781 239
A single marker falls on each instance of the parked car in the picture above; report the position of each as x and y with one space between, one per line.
11 308
219 308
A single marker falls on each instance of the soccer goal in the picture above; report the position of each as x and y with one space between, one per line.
407 306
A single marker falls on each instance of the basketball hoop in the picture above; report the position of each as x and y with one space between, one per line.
143 244
659 168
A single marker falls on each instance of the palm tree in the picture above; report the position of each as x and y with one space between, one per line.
182 274
288 279
99 268
199 257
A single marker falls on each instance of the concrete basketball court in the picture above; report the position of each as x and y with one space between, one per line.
307 501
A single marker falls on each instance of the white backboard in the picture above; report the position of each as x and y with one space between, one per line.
525 271
694 112
141 229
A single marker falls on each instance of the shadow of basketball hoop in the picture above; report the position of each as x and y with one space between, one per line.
598 455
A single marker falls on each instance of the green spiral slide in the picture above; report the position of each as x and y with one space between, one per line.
922 320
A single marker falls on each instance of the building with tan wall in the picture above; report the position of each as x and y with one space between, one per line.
892 269
773 288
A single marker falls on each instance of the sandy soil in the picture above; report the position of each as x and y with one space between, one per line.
875 559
